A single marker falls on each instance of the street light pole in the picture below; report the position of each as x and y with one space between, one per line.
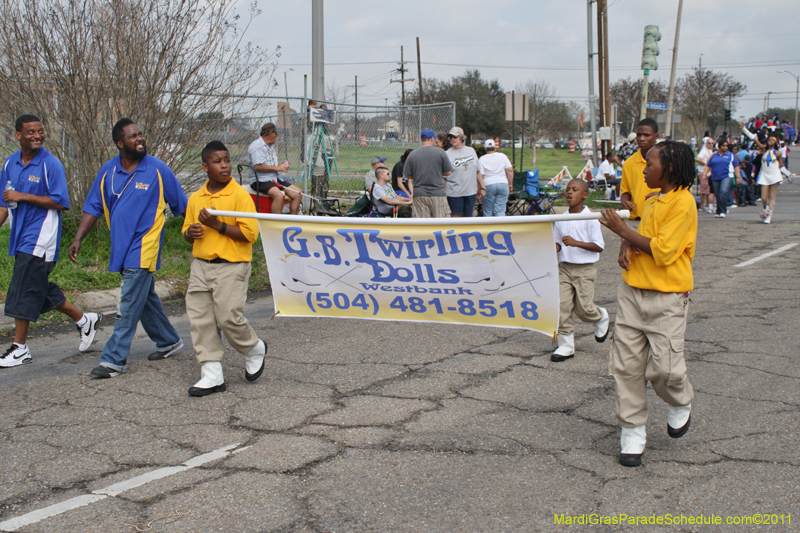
796 94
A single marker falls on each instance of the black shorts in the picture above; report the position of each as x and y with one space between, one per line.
265 186
30 292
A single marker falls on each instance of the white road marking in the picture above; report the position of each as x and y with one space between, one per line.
113 490
41 514
768 254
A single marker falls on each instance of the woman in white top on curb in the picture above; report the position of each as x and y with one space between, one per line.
706 196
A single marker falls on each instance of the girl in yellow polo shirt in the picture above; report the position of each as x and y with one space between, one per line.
653 300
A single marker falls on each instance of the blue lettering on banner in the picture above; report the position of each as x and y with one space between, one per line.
444 243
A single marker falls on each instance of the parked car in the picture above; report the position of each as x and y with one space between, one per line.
544 144
562 144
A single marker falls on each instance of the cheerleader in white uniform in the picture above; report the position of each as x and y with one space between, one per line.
772 173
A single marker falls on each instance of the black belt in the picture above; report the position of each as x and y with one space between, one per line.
217 260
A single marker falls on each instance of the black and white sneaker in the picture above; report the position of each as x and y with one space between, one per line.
165 352
89 330
104 372
15 356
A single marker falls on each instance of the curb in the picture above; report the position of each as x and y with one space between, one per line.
98 301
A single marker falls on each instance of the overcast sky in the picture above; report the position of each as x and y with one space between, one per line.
518 40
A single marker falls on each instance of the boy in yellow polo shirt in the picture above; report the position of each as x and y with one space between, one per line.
632 187
653 300
223 249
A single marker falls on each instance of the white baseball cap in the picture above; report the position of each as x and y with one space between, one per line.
489 143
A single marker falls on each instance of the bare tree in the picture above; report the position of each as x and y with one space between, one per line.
626 94
179 68
540 95
703 94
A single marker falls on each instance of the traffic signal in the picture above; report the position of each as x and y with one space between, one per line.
727 114
650 49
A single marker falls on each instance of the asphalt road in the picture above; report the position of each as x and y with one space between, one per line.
362 426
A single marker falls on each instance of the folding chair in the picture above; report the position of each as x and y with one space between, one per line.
526 187
519 198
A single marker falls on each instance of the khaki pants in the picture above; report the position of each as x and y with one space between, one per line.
648 346
215 301
431 207
576 291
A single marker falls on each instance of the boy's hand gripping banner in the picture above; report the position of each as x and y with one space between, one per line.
500 272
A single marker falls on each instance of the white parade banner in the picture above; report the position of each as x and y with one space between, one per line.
493 271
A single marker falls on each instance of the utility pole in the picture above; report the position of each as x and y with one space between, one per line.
402 81
592 122
796 94
606 90
356 111
419 75
317 51
671 97
601 52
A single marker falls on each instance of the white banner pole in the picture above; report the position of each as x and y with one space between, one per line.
623 213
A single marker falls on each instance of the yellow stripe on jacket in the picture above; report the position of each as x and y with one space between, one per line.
151 242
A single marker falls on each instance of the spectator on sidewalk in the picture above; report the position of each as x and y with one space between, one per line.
369 177
267 179
426 169
36 193
498 179
132 191
465 184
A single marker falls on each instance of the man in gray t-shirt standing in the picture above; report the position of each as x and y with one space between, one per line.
425 169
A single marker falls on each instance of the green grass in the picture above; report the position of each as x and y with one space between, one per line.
91 271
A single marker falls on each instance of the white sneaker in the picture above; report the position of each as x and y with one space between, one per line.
722 215
717 215
732 206
89 330
15 356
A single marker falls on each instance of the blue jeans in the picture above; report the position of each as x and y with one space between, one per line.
138 301
462 205
722 190
494 203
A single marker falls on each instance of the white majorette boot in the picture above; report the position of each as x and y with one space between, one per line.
211 380
480 269
768 218
255 360
601 328
565 350
297 269
632 441
678 420
285 277
496 279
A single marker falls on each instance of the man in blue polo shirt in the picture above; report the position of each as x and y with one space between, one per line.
132 191
35 195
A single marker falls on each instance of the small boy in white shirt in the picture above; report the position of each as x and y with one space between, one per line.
578 243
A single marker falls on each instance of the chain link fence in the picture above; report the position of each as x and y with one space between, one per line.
344 145
349 140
